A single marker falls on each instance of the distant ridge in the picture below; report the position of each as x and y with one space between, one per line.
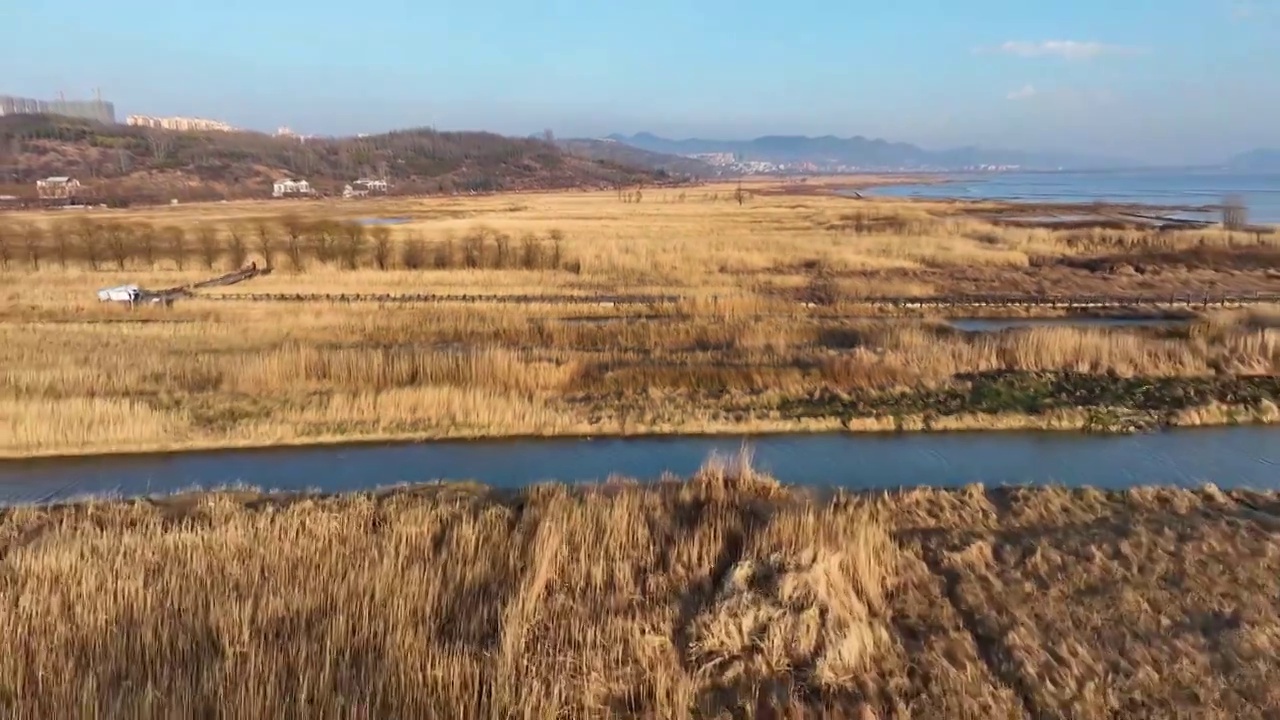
150 165
859 152
1258 160
608 150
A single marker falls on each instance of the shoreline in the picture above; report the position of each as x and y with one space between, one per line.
1101 208
1066 422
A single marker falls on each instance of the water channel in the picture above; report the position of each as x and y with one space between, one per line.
1247 456
975 324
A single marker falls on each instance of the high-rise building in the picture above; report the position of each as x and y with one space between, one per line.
179 123
22 106
97 109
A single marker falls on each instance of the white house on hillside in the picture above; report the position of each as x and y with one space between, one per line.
364 187
289 187
57 188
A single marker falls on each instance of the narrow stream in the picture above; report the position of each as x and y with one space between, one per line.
997 324
1229 457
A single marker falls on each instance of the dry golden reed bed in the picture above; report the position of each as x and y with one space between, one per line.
737 354
255 376
724 596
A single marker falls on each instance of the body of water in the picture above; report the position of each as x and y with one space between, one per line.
998 324
1260 191
1230 457
385 221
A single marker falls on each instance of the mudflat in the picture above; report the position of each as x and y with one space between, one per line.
724 595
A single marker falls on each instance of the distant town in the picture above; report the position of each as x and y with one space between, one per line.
67 190
104 111
732 163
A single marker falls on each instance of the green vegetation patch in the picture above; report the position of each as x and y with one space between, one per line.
1037 393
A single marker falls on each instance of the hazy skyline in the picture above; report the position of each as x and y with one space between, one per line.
1153 80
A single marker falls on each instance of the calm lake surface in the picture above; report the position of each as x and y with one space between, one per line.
1260 191
1229 457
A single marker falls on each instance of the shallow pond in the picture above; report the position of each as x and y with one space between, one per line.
1229 457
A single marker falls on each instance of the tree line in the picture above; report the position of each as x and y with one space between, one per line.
290 241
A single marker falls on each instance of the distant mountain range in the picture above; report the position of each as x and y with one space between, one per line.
629 155
830 152
1259 160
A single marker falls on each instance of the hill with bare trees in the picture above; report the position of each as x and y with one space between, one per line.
137 164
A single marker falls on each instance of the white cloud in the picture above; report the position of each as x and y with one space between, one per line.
1063 96
1022 93
1069 49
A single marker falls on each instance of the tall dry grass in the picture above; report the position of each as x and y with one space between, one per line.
82 376
575 237
227 375
725 594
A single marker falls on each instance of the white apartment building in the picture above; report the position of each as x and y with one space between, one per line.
179 123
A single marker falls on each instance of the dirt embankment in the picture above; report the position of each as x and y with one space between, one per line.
724 596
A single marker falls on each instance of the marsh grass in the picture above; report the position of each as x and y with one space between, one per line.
591 234
83 376
231 375
724 595
702 597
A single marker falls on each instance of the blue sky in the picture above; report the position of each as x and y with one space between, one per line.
1176 80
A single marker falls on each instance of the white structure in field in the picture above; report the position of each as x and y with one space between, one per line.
121 293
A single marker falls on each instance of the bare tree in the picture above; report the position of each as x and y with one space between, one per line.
446 252
557 251
237 248
294 232
207 245
89 236
502 260
118 243
161 143
381 235
175 244
8 241
413 254
530 252
32 237
740 195
62 235
266 235
145 237
351 244
473 248
1235 216
323 235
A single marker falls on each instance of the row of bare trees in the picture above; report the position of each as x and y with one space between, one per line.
292 241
